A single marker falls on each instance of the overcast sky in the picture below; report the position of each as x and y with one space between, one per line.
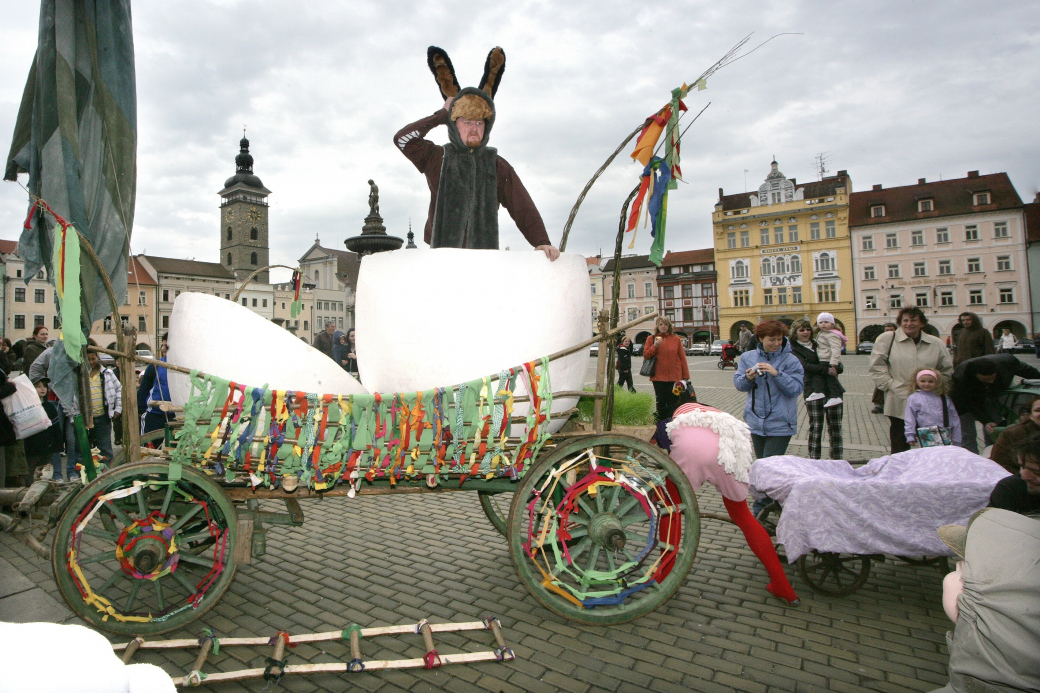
890 91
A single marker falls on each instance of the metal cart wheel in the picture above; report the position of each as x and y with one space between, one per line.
604 529
768 517
495 505
834 574
138 554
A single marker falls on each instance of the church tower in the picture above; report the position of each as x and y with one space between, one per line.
244 242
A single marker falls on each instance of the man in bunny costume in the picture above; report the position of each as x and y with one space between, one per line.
467 178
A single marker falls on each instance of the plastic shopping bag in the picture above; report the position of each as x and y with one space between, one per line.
23 408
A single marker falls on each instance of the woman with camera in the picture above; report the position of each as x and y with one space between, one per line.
773 378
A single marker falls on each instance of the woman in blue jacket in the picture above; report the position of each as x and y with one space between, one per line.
773 378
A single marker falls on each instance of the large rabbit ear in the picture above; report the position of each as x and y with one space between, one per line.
443 71
494 67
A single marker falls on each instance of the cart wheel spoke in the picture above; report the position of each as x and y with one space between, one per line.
580 548
106 556
100 533
165 508
578 532
142 503
180 577
185 517
159 593
593 557
132 597
116 574
579 520
196 560
119 514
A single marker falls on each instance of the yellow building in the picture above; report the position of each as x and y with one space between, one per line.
783 252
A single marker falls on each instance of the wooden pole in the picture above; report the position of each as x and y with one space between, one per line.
601 367
130 419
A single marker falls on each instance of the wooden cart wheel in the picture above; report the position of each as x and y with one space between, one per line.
495 505
150 437
604 529
168 560
941 563
834 574
768 517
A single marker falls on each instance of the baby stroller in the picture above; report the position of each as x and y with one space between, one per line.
729 356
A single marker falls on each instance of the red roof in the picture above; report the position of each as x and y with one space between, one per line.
1033 220
136 274
689 257
9 247
949 198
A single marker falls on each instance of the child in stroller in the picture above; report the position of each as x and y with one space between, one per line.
730 352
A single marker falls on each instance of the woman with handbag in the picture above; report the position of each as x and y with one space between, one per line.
665 359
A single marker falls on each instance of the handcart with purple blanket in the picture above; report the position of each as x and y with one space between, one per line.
836 518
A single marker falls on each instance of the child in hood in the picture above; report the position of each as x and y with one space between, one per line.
829 343
40 447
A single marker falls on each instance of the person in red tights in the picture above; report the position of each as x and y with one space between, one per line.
712 446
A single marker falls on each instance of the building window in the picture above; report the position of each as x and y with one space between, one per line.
917 238
264 303
877 211
254 303
974 264
767 266
781 266
741 298
792 233
868 243
795 264
648 310
871 302
745 239
796 294
826 293
252 258
778 234
895 301
767 297
971 232
306 325
982 198
245 302
740 270
56 323
824 263
731 240
38 320
631 290
253 234
814 230
229 259
633 313
868 273
648 289
229 233
1000 229
925 206
945 267
19 322
593 291
142 323
920 269
18 274
942 235
891 240
946 298
687 314
781 295
829 229
1007 295
142 299
668 292
921 299
775 197
893 272
687 290
166 295
39 296
765 236
19 294
1003 262
975 297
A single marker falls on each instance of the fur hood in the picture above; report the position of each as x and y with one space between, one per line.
453 130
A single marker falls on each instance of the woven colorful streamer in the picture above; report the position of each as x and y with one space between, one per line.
275 436
66 284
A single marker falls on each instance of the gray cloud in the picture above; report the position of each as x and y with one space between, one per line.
892 91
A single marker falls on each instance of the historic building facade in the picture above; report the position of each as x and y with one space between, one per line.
783 252
25 305
688 294
141 310
638 296
947 247
596 286
332 276
175 276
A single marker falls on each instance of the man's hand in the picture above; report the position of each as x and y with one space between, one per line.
990 427
550 251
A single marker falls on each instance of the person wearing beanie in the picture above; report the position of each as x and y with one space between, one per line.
468 180
40 447
829 343
977 385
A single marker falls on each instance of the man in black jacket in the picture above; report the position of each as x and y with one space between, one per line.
977 384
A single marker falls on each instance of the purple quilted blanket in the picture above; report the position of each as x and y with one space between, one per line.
891 505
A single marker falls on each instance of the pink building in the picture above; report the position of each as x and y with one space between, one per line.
948 247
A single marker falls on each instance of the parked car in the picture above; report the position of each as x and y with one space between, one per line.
637 349
698 349
716 348
594 351
865 347
1025 346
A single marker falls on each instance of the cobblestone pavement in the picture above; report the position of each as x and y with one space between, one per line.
384 560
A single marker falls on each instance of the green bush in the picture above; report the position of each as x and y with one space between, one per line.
630 408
